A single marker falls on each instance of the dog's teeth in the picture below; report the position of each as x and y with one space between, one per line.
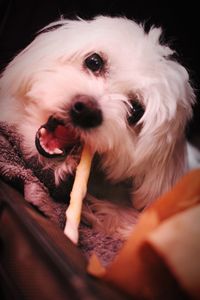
42 144
57 151
48 151
44 147
43 131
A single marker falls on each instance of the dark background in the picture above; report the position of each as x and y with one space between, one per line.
21 19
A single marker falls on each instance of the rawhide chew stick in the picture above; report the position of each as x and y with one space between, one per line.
79 189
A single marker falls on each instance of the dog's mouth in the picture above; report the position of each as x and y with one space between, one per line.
56 139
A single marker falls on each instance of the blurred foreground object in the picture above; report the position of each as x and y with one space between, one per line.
160 260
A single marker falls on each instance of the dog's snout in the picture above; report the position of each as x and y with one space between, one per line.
85 112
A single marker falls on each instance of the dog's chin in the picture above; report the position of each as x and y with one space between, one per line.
55 139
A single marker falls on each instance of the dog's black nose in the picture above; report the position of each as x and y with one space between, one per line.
85 112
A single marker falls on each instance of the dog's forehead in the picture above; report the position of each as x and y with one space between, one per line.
128 49
120 39
105 32
110 29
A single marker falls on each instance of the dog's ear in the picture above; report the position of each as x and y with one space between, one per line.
160 151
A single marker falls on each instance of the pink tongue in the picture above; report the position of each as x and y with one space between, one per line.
64 136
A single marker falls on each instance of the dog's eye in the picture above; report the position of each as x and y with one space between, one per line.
136 112
94 63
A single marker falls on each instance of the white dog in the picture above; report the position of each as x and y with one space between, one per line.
110 85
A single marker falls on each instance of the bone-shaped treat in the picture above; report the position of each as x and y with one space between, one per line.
79 190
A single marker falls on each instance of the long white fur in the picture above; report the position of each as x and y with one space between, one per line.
49 73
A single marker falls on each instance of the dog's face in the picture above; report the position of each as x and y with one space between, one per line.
106 83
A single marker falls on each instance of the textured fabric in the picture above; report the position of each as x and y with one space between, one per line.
38 188
15 170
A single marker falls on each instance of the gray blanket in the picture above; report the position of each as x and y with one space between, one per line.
38 188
